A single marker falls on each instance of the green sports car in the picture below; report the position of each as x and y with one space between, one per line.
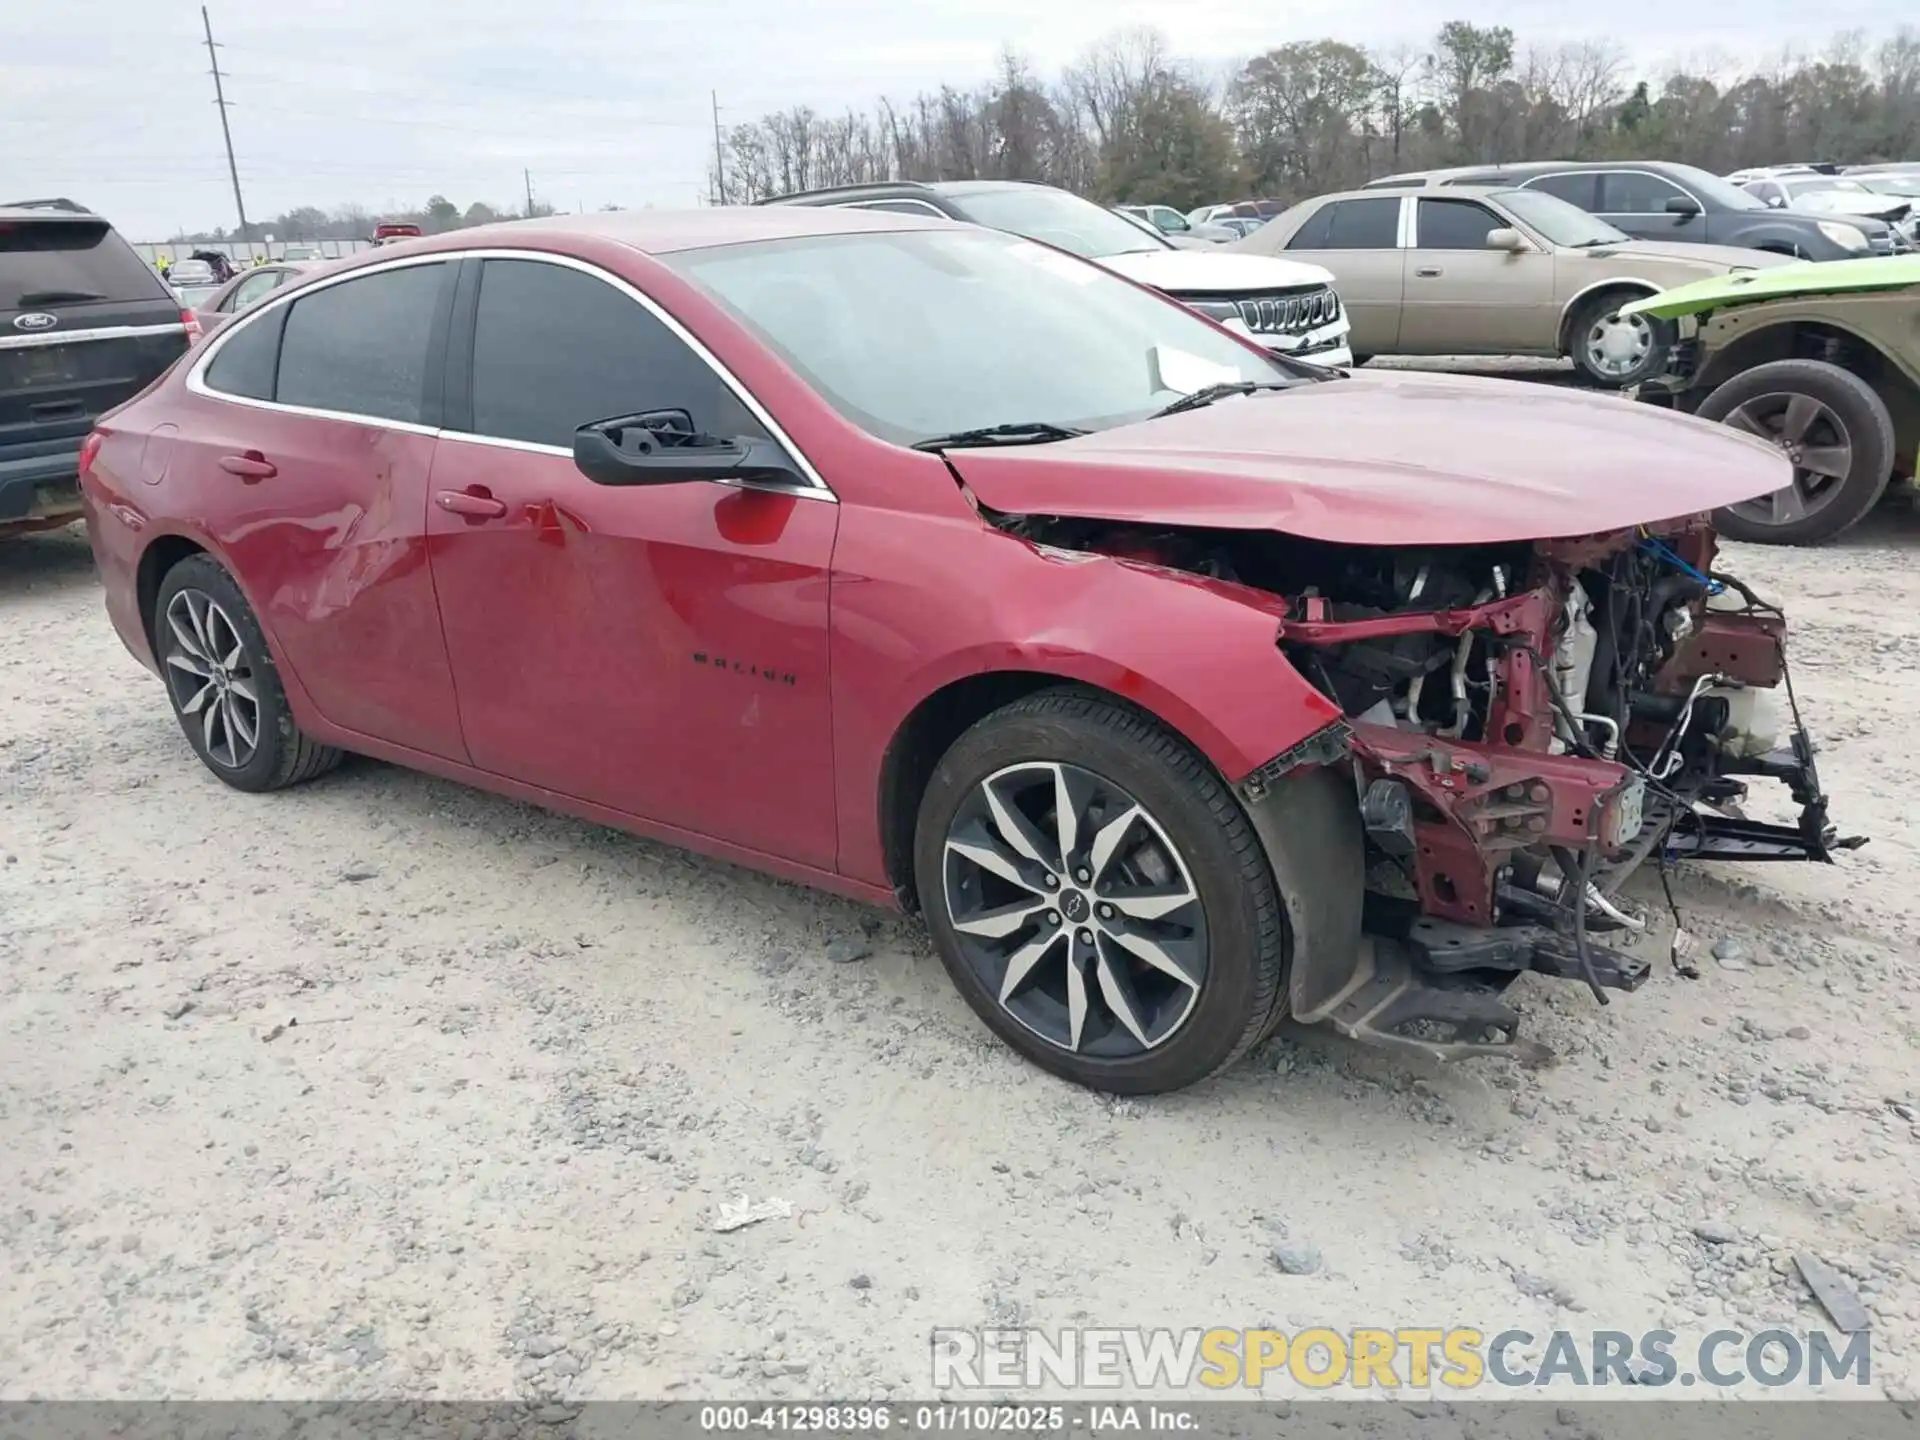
1824 361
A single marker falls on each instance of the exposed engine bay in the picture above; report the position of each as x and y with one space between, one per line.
1525 726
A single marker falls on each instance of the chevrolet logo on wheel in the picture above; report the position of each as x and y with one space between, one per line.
35 320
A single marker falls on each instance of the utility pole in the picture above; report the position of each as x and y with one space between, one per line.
220 99
527 175
719 163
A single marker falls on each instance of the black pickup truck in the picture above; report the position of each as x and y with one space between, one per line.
84 325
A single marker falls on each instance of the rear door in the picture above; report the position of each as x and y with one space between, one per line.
309 454
1465 298
1360 242
84 325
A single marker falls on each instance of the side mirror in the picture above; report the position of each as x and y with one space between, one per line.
1682 205
1508 239
661 448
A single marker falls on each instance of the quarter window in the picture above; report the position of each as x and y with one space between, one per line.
1364 224
1454 225
1632 192
555 349
246 360
360 347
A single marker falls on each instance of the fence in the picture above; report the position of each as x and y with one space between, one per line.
243 252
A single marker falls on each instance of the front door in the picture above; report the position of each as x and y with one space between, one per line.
1464 297
661 649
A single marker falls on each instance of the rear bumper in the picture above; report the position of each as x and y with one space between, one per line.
41 487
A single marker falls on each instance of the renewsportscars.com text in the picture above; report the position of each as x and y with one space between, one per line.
1458 1358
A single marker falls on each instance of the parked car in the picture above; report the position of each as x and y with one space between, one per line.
1288 307
1472 271
244 291
1839 195
1179 242
1824 362
1171 223
1656 200
184 274
302 252
84 324
944 570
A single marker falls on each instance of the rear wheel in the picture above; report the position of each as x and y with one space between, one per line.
1614 351
1098 895
1835 430
222 682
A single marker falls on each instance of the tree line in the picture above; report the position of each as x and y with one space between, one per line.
1132 121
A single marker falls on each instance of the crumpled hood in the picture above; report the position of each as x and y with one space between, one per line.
1211 272
1801 278
1389 458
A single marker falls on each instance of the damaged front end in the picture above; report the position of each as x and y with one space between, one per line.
1525 725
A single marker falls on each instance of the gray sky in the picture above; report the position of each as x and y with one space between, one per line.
388 101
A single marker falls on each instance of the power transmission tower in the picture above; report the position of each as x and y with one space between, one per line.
220 100
719 192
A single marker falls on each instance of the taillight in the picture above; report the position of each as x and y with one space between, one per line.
192 322
89 449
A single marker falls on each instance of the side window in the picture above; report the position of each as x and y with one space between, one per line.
247 358
1454 225
360 347
1625 192
1364 224
1313 234
1578 187
555 349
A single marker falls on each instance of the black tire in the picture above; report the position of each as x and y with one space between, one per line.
1850 412
1595 309
1360 360
1244 941
207 698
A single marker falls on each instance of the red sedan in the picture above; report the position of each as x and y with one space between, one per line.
1181 688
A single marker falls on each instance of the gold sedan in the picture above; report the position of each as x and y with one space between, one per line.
1493 271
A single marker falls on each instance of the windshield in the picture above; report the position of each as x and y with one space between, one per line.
1712 190
1905 186
1054 216
920 333
1560 222
1825 182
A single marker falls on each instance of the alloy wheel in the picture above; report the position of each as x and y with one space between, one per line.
1619 345
1075 909
211 679
1813 438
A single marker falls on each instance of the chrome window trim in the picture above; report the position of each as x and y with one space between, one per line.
1601 175
876 203
817 489
33 339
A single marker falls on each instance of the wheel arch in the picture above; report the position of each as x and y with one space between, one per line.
158 557
1833 343
1625 285
929 729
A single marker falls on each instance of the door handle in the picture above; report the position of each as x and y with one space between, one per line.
250 466
473 502
1428 272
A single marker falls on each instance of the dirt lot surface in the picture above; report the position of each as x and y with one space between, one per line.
383 1086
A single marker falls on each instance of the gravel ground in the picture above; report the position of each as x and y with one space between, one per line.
385 1087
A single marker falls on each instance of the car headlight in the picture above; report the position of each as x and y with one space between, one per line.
1847 237
1216 309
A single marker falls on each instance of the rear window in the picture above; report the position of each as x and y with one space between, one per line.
56 262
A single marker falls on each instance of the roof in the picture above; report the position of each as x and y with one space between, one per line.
663 232
32 211
885 189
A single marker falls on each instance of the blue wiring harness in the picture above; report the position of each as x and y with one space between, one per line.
1660 550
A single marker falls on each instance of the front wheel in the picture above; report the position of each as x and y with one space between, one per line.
1832 426
1098 896
222 682
1615 351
